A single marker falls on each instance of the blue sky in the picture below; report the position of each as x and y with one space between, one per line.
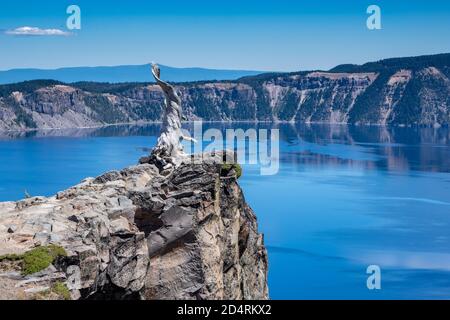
233 34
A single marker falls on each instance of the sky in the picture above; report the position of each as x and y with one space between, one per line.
265 35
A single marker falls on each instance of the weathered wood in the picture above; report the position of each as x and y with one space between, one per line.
169 145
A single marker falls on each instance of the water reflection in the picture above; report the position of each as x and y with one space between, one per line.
106 131
372 147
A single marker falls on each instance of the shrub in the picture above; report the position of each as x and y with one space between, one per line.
227 167
36 259
11 257
61 290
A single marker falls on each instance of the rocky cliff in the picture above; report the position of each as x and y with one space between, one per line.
184 233
404 91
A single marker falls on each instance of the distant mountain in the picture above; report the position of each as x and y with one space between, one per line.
411 63
400 91
116 74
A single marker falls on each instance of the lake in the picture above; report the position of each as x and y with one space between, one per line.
345 197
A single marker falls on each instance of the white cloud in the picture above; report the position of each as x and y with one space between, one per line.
34 31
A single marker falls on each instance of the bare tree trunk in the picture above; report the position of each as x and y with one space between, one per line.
169 148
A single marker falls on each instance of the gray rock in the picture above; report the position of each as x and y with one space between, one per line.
46 272
37 289
109 176
74 218
42 238
12 275
139 234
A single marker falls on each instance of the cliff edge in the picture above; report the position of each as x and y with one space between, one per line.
183 233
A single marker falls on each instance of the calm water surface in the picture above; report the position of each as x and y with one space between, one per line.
344 198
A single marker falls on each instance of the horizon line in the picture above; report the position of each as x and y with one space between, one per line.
219 69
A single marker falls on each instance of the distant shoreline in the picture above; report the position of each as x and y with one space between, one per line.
140 123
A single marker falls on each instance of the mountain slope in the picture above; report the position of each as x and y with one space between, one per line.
116 74
409 91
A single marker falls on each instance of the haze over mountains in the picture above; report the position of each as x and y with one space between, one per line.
400 91
126 73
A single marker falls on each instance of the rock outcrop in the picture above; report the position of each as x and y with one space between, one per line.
185 233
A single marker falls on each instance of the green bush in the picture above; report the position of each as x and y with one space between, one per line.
11 257
227 167
61 290
36 259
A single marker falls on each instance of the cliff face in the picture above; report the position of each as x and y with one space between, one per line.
135 233
406 91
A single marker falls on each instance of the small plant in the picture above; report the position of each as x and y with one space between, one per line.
11 257
9 262
36 259
56 251
58 291
227 167
61 290
40 258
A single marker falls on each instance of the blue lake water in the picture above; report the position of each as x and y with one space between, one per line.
345 197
